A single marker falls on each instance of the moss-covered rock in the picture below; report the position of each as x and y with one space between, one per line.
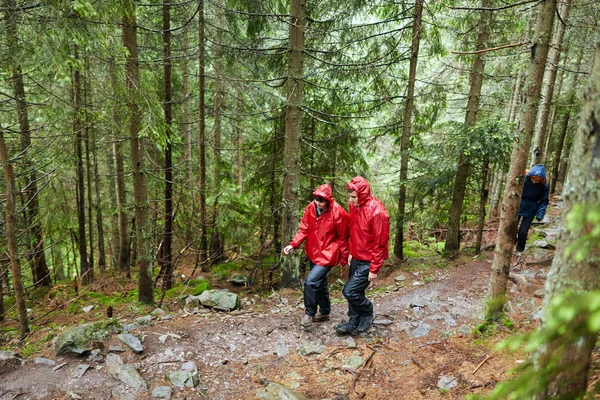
81 338
201 286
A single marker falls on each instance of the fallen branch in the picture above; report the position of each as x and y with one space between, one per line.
506 46
481 363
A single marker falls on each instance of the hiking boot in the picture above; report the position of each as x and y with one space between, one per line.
345 328
307 320
322 318
364 324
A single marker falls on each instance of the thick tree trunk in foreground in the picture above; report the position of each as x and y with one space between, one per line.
293 123
464 162
140 190
407 129
11 237
581 197
514 185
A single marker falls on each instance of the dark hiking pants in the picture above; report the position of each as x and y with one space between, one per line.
522 232
316 290
354 290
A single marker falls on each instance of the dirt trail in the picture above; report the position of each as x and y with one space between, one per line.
426 337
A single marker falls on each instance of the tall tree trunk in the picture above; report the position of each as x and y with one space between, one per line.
581 197
85 270
167 260
464 162
483 198
559 92
35 252
140 190
216 245
514 185
274 204
293 124
88 164
187 132
407 129
122 217
202 134
537 155
240 142
11 237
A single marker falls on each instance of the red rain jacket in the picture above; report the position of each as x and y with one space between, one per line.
369 226
327 236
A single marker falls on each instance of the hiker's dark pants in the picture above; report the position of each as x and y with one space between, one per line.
522 233
316 290
354 290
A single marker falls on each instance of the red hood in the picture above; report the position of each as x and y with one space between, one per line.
325 192
361 187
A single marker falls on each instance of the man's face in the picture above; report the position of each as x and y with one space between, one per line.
353 197
536 179
322 204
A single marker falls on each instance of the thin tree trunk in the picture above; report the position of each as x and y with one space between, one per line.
407 129
514 185
483 198
11 238
167 260
202 135
537 155
140 190
35 252
240 142
464 162
84 270
581 195
122 217
293 123
187 133
88 166
274 204
216 254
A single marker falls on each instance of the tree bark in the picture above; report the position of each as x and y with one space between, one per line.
85 270
581 196
35 252
407 128
11 237
187 133
140 190
537 155
293 126
88 165
483 198
464 162
202 136
514 185
122 217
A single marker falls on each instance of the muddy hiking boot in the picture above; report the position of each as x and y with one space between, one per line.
322 317
346 328
364 325
307 321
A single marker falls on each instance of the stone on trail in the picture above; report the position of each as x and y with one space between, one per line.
46 361
79 371
132 341
447 382
421 331
9 361
80 339
354 362
126 373
311 348
274 391
238 279
162 392
220 300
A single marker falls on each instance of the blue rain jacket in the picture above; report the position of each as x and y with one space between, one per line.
534 200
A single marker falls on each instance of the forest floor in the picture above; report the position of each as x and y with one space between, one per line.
423 345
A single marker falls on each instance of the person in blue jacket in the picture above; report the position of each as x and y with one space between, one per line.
533 202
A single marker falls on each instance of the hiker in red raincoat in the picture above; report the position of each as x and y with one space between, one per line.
324 226
369 236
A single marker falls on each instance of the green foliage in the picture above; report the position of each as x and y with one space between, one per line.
583 221
222 271
200 286
414 249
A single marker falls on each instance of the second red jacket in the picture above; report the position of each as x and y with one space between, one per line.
326 236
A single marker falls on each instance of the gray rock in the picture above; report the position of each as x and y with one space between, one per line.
132 341
162 392
447 382
154 313
96 356
311 348
383 322
141 321
220 300
80 339
238 279
113 364
464 329
449 320
79 371
184 378
87 309
9 361
46 361
116 349
274 391
354 362
421 331
130 376
400 278
281 350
